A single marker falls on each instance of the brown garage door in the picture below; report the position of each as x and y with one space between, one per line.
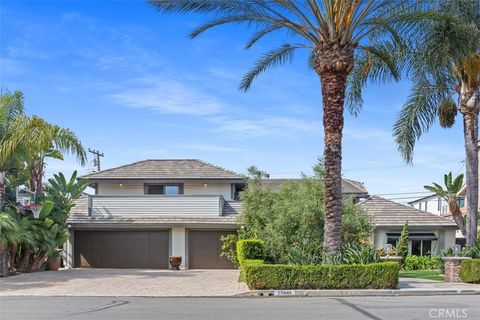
204 248
121 249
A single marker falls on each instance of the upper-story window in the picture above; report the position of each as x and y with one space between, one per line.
461 202
164 189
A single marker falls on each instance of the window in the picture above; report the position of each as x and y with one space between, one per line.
420 206
421 247
426 204
461 202
439 205
172 190
392 242
164 189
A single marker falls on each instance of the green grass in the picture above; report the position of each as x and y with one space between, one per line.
423 274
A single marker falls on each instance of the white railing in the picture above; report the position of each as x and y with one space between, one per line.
153 205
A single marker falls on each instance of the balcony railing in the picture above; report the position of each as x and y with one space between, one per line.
154 205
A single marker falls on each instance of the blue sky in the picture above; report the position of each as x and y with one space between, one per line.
129 82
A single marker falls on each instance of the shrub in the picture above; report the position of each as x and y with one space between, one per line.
229 248
353 253
281 277
421 263
470 271
249 249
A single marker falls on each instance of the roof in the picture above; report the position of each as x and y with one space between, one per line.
158 169
388 213
348 186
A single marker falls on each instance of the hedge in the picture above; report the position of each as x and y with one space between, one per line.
249 249
470 271
382 275
421 263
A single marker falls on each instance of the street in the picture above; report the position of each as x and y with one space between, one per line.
351 308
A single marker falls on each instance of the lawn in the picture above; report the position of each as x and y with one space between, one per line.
423 274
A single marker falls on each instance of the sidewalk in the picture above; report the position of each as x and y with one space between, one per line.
406 287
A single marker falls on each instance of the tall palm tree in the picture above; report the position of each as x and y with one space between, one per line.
445 67
450 195
336 32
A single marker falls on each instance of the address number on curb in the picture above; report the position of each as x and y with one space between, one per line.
283 293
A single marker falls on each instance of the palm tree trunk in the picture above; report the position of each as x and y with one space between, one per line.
458 217
470 107
2 188
333 64
3 262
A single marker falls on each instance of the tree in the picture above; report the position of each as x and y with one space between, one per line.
336 32
8 234
449 194
11 107
445 68
402 248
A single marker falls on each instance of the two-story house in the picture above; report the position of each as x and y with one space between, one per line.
144 212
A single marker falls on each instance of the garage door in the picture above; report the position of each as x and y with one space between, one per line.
121 249
204 248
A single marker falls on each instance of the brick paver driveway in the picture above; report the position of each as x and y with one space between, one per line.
124 282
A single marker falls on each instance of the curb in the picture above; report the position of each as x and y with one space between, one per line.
358 293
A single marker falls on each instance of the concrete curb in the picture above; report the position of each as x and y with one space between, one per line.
358 293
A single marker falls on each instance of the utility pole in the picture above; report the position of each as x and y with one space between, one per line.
96 160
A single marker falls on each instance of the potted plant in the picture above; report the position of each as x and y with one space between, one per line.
53 262
175 262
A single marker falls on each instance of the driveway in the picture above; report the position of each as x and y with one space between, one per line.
124 282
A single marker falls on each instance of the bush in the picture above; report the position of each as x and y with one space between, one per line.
353 253
229 248
290 219
249 249
402 248
421 263
282 277
470 271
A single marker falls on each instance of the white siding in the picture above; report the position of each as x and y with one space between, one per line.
109 189
223 189
189 188
178 244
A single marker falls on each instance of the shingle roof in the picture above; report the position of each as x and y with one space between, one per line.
388 213
348 186
165 169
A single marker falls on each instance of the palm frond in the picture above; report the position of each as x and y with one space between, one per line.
416 117
261 33
271 59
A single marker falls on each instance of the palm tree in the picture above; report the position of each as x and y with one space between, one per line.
450 195
8 234
51 141
11 107
445 68
336 33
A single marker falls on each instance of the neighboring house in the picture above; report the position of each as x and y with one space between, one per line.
428 233
351 188
437 205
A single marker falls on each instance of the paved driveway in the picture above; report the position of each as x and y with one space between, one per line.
124 282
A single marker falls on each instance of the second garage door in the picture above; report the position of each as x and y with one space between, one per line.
204 249
121 249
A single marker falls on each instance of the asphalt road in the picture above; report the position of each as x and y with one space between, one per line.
352 308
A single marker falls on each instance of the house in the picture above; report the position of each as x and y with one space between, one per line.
144 212
428 233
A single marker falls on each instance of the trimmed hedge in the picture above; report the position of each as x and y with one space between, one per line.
249 249
421 263
470 271
382 275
